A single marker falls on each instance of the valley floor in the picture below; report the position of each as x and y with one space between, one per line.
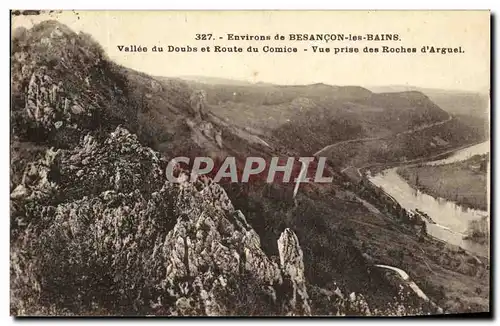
462 182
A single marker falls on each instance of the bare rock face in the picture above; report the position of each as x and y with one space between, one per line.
48 105
159 248
198 101
292 265
35 183
205 135
211 242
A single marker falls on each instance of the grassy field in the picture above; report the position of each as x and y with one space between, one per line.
462 182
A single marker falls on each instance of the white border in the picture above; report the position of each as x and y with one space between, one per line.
255 4
188 4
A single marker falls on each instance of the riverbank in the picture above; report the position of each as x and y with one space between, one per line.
464 183
479 231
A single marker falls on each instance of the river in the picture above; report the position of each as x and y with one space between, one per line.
451 219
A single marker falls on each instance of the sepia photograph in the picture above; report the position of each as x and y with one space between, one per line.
250 163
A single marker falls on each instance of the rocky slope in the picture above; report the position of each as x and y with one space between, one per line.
98 230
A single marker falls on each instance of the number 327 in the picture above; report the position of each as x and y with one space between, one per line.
203 37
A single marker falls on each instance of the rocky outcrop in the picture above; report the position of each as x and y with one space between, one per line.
198 102
203 132
63 85
35 183
291 260
160 247
49 106
212 243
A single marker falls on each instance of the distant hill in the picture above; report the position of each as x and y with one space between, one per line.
308 117
460 102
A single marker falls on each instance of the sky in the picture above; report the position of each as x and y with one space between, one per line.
463 71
